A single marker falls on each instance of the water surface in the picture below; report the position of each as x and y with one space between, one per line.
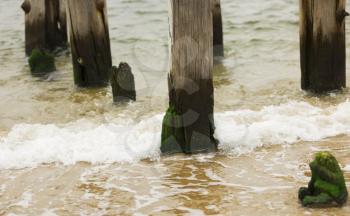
70 151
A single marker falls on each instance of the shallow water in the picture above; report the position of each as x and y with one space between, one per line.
262 182
70 151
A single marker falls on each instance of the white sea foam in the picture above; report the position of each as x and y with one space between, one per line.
30 145
240 131
245 130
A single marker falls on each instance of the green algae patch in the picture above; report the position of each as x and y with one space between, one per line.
327 185
173 136
41 62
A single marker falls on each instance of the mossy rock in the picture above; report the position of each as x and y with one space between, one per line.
173 136
41 62
327 185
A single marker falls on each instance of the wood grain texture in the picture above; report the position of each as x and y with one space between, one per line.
190 78
218 36
45 25
90 43
35 33
322 45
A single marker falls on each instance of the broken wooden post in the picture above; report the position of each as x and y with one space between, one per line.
188 125
322 45
218 36
90 45
123 83
45 25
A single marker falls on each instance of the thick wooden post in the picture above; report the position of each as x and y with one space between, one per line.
90 45
322 45
45 25
188 124
218 36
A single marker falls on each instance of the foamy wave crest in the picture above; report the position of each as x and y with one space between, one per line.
245 130
82 141
238 131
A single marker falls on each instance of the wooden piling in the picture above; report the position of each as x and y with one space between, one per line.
322 45
90 44
62 29
218 36
188 125
123 83
45 24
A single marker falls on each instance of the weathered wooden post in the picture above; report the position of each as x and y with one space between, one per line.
45 24
218 36
322 45
188 125
62 24
90 45
123 83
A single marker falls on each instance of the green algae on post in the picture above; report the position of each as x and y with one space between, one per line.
327 185
172 132
41 62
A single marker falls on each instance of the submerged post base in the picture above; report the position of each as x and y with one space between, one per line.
174 137
41 62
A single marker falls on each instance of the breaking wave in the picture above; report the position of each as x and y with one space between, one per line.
241 131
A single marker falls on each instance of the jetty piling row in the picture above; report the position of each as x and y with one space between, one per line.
196 35
322 38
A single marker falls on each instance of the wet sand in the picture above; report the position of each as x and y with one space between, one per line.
264 182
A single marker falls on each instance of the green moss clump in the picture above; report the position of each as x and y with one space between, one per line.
173 136
327 183
41 62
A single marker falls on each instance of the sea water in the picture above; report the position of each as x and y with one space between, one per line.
70 151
